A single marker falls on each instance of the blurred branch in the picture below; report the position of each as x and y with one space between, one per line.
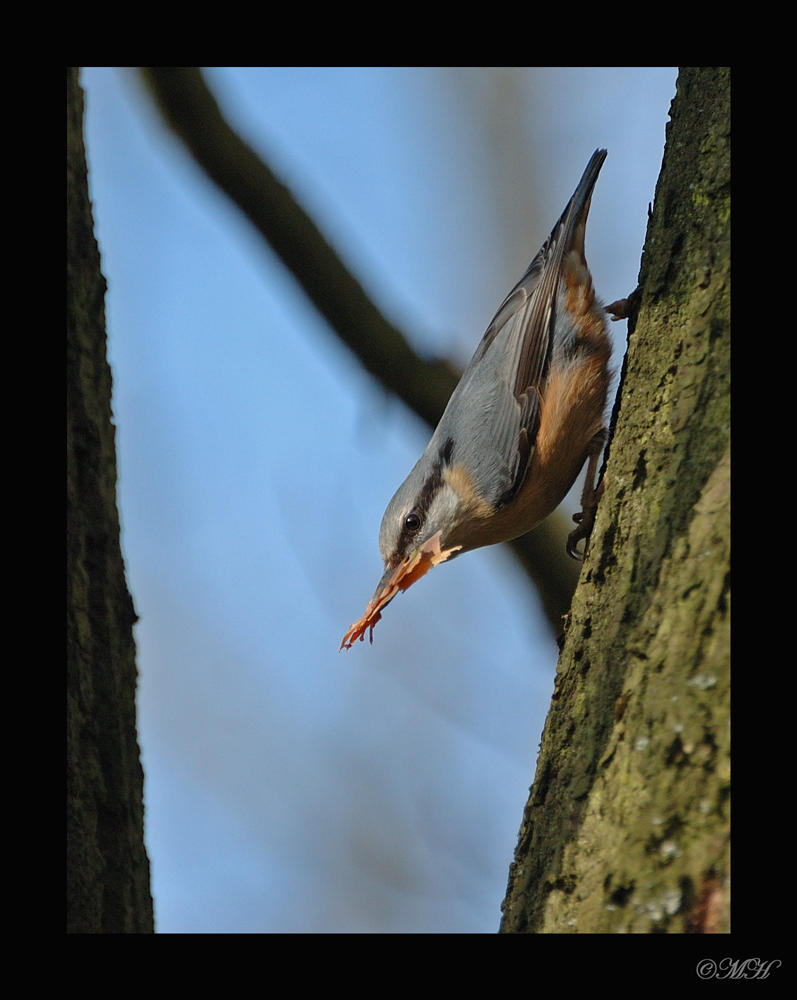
191 111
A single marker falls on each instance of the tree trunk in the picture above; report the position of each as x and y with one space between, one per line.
627 825
108 871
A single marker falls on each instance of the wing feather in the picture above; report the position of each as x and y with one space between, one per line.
509 371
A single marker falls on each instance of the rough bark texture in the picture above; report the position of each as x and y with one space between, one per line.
627 825
108 871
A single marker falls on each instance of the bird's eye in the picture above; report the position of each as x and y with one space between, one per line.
412 522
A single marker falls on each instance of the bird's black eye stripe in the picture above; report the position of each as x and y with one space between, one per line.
412 521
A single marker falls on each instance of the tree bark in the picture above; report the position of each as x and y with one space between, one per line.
108 871
627 825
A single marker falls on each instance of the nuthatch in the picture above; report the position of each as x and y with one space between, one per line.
526 415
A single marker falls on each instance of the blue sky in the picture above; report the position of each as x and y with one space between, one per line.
289 787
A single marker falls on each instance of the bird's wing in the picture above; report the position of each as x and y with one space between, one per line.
509 371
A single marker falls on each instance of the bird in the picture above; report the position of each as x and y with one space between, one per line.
526 415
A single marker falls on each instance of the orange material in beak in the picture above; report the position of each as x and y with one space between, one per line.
416 565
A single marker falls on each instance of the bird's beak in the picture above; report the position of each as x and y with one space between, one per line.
397 578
